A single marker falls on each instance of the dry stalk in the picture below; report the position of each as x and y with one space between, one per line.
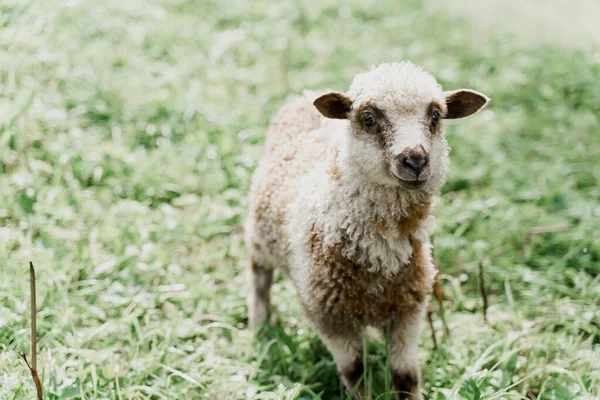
437 289
536 230
33 366
439 295
483 292
430 311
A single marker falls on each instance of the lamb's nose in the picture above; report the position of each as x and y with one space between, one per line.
414 161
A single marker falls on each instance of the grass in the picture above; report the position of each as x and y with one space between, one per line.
128 134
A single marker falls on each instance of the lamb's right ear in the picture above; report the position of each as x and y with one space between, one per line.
464 102
334 105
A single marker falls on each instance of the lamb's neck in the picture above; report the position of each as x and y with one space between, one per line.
369 223
375 226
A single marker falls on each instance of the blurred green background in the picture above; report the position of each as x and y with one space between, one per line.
128 134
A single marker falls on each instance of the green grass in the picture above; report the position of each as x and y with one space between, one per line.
128 134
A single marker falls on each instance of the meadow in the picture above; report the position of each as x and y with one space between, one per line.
128 134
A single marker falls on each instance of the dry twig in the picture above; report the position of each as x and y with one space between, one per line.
536 230
433 338
439 295
483 292
33 366
438 291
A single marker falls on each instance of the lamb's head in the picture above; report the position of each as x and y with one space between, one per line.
395 114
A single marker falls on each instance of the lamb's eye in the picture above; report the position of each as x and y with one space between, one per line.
435 117
368 119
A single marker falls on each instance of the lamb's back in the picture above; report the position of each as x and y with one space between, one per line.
294 135
296 143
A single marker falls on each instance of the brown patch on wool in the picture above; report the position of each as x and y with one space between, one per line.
416 213
350 295
275 212
269 212
333 169
379 226
252 265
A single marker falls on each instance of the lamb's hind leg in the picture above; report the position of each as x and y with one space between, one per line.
347 353
259 299
404 362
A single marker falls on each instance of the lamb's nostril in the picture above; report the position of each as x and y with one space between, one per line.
415 162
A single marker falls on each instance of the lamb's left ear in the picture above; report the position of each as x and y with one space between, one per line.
464 102
334 105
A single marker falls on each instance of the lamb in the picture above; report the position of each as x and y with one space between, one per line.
341 201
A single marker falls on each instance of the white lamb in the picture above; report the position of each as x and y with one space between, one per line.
341 202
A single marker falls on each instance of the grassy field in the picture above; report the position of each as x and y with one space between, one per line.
128 134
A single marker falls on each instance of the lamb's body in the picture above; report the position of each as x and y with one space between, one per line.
324 208
358 253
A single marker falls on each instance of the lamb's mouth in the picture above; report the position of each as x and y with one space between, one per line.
412 184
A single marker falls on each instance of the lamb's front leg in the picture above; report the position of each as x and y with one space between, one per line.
347 352
403 353
259 299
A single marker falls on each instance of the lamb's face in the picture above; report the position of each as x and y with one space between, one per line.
395 113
